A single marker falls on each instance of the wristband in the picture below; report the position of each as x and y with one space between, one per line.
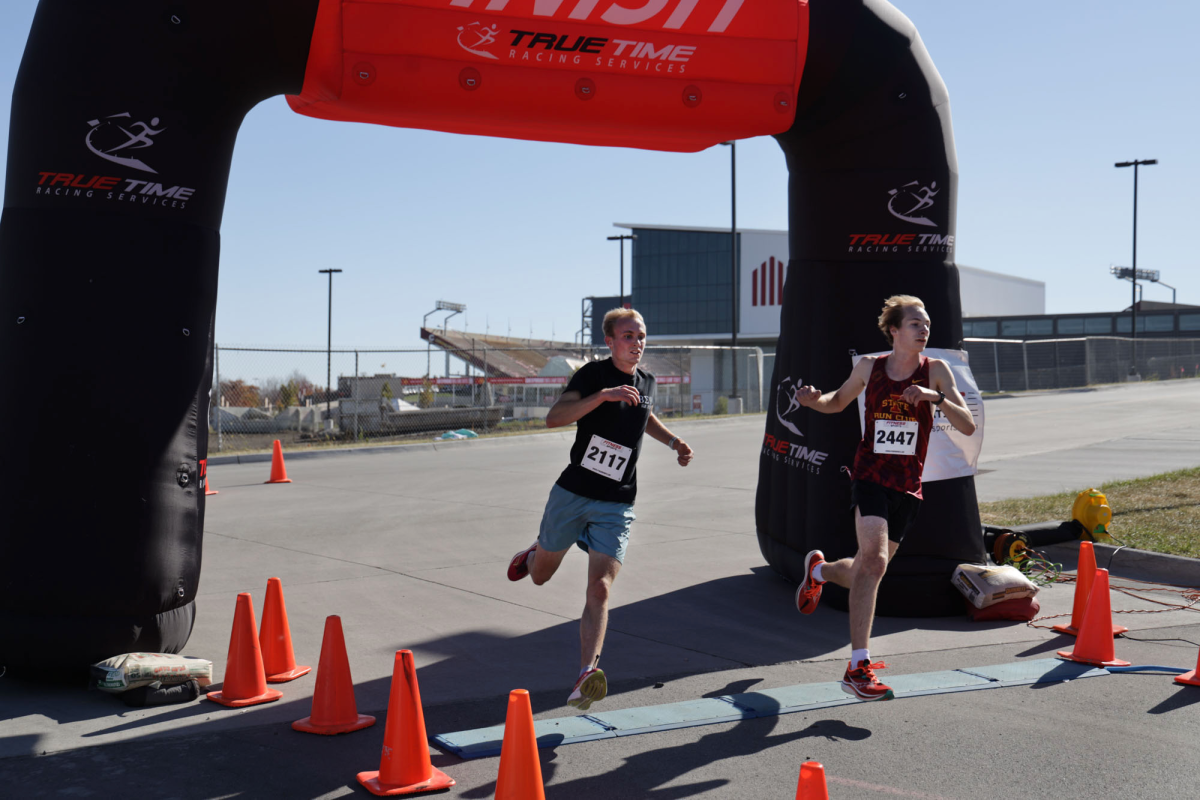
671 443
941 397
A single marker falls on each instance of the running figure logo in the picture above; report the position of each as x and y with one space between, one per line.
477 36
786 393
104 139
911 201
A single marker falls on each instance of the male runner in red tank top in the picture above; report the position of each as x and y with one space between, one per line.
885 488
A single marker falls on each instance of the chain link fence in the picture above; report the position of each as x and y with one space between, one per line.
320 397
1006 365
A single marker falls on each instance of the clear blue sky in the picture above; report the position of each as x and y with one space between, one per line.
1045 96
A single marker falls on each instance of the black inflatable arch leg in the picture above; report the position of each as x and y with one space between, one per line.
872 126
123 121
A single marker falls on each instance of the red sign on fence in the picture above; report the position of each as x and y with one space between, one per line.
549 380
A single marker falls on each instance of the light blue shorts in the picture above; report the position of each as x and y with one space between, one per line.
599 525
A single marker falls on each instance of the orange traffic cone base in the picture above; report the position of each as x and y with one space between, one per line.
1071 630
438 780
1070 656
269 696
1189 678
290 675
281 480
306 725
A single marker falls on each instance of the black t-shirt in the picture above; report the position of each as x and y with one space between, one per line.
608 438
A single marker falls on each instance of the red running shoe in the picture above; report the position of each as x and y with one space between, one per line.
861 682
809 593
518 568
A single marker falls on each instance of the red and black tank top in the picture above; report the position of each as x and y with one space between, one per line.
895 434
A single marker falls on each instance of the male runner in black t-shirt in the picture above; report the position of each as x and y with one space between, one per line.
591 504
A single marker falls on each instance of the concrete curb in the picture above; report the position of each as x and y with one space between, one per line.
1128 562
566 434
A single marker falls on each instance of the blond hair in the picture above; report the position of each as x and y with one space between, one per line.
616 315
894 310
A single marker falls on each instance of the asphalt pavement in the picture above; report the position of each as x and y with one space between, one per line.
409 546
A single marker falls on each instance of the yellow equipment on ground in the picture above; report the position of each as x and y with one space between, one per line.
1091 510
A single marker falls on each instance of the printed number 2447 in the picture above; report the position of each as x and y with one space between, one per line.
894 437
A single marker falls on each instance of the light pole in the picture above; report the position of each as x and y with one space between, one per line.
329 347
1133 303
1148 275
733 281
1169 286
442 305
622 239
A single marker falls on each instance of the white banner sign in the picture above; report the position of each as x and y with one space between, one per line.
763 258
951 454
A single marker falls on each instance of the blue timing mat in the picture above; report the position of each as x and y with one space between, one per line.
485 742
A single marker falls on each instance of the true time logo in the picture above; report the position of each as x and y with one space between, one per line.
905 201
104 139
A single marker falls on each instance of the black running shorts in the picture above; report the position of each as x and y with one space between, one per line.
898 508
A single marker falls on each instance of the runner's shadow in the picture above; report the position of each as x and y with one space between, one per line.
733 687
1060 642
645 773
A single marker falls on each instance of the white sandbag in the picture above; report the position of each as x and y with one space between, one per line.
131 670
983 586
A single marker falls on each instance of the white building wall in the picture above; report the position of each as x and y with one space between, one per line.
992 294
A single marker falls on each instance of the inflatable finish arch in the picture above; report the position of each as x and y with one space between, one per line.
123 121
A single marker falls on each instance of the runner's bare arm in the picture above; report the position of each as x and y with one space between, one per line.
571 407
954 406
811 397
656 430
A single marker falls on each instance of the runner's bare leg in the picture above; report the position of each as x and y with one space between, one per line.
602 571
543 564
862 574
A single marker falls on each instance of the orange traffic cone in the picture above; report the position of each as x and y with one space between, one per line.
279 662
208 487
1190 678
404 766
278 470
245 682
1094 645
1085 573
333 706
812 782
520 770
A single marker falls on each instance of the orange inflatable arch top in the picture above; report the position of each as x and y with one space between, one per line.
677 75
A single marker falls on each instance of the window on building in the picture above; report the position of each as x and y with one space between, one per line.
1070 325
1040 327
1097 325
1012 327
1189 322
1123 324
983 328
1159 323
